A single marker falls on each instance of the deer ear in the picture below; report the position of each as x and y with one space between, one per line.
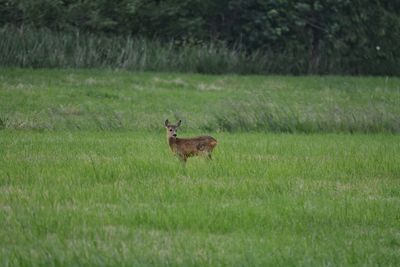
166 123
179 123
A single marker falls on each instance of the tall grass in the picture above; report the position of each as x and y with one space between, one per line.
25 47
263 115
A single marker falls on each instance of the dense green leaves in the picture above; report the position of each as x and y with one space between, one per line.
351 36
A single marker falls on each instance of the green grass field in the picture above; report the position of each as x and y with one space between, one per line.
87 178
119 100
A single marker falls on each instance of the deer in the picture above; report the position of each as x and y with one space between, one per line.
184 148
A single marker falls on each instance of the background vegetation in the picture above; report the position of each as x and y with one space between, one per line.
292 37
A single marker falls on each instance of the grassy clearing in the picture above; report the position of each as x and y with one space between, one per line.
86 177
119 100
121 199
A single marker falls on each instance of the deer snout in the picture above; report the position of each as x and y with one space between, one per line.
174 135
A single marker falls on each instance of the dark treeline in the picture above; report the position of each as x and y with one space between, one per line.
331 36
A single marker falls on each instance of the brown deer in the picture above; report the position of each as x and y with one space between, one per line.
188 147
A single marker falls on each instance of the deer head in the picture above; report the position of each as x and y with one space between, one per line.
172 129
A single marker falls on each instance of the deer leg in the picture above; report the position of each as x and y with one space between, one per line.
209 157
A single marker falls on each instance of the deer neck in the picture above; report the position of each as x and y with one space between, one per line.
172 143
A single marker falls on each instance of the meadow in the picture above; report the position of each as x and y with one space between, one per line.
121 100
87 178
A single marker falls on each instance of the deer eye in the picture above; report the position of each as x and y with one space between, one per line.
170 130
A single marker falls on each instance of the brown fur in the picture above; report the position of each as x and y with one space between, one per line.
189 147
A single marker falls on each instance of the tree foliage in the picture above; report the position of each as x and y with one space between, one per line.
362 36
